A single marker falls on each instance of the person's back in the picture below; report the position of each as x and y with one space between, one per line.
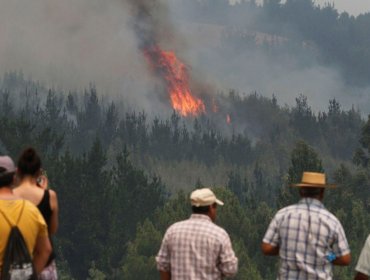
308 232
306 236
45 200
32 189
31 224
197 249
195 245
25 215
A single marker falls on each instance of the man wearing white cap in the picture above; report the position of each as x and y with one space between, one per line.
307 237
197 248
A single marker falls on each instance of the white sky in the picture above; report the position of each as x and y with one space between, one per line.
353 7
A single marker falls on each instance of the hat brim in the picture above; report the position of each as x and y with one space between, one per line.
5 174
219 202
307 185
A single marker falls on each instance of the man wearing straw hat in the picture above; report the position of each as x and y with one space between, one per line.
307 237
197 248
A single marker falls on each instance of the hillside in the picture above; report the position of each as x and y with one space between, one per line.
97 154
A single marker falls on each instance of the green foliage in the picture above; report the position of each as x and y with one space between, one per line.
95 274
176 209
361 156
247 268
123 178
139 262
303 158
233 217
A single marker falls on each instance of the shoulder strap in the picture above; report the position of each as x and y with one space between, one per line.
19 217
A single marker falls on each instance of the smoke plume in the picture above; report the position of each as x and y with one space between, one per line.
73 43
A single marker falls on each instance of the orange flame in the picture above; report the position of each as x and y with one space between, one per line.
175 73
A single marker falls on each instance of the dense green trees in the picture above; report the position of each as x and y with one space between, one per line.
123 177
101 207
362 154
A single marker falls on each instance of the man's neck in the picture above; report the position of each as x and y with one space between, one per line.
7 193
312 198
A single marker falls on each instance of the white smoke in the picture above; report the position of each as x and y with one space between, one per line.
73 43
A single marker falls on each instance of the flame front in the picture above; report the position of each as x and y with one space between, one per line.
175 74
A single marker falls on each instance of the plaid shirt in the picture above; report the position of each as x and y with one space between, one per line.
306 233
197 249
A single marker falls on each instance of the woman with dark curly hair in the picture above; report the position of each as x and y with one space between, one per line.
33 186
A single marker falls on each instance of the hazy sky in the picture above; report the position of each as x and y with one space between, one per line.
353 7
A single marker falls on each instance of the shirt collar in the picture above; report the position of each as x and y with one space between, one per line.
200 217
312 202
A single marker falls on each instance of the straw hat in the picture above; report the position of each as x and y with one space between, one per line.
313 180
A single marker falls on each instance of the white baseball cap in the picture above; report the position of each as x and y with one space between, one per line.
8 164
204 197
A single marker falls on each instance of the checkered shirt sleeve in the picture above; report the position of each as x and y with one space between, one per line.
272 235
340 246
163 257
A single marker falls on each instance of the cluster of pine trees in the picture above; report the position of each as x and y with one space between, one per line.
123 177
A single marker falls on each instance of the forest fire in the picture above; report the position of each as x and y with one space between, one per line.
175 75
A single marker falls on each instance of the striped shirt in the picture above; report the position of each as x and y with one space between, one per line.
306 234
197 249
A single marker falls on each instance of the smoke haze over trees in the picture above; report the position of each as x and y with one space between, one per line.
281 49
122 178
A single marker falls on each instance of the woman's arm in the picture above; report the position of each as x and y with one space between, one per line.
41 253
54 220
